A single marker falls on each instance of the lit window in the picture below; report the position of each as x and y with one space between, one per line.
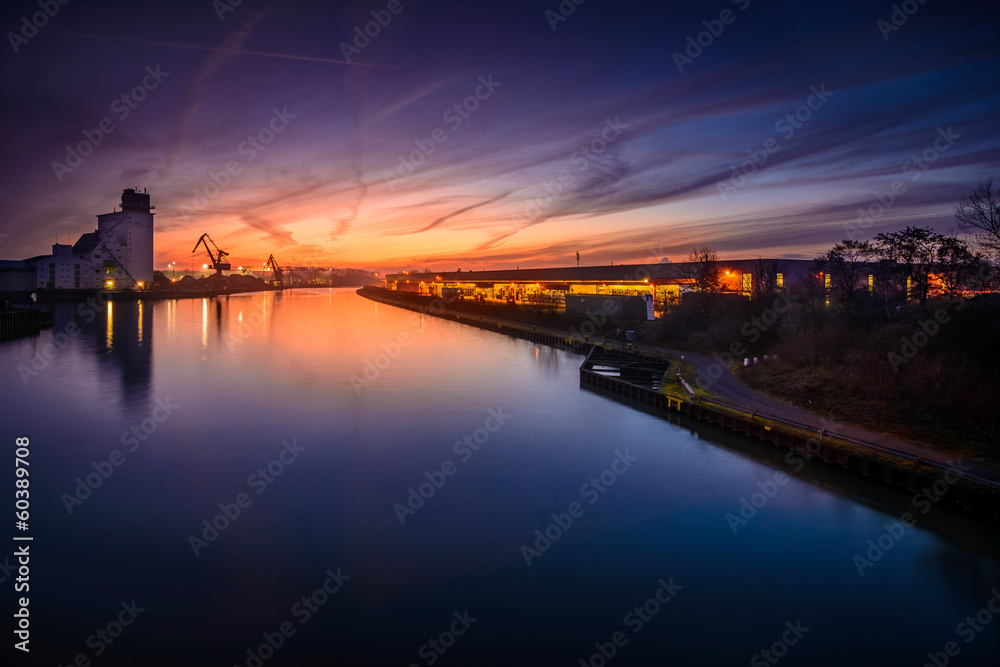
871 283
747 282
826 280
780 280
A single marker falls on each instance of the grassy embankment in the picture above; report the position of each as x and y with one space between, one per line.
941 393
923 373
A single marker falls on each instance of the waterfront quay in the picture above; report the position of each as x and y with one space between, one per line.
610 367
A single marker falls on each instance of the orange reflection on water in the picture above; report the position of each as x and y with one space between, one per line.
109 334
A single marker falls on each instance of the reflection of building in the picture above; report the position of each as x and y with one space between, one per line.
118 335
118 254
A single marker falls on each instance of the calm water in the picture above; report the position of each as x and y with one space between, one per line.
244 375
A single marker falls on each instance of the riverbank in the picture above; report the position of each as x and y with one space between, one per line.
732 405
164 294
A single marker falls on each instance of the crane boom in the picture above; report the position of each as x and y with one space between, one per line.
278 273
220 260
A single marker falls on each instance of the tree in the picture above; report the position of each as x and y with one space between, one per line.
849 264
979 214
765 277
914 251
958 266
702 269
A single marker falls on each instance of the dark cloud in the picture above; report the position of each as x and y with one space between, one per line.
519 145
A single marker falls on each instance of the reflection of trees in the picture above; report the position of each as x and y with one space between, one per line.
963 570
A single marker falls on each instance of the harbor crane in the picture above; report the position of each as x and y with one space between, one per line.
277 276
220 260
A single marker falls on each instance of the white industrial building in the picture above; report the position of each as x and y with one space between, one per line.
117 255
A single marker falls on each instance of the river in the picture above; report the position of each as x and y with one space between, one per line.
310 478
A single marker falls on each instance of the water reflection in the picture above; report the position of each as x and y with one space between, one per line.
251 371
117 336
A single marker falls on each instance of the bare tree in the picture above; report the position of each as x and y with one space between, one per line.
979 214
702 268
765 277
849 264
958 266
914 251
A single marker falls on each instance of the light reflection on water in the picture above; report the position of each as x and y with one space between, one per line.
379 397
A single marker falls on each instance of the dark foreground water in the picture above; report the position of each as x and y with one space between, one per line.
261 404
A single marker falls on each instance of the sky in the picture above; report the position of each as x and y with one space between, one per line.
414 134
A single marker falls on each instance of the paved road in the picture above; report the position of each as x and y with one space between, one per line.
732 392
719 381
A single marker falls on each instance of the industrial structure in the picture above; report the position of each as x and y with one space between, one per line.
117 255
663 283
219 259
277 276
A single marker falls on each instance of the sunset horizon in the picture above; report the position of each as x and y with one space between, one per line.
388 158
539 332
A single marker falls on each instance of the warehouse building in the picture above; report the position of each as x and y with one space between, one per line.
662 283
117 255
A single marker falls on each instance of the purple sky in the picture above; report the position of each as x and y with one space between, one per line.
475 135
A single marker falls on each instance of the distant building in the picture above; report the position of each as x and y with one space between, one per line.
117 255
17 276
666 282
